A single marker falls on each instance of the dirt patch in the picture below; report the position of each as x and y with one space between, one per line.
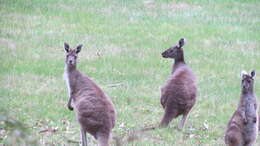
149 4
173 5
7 43
63 7
180 6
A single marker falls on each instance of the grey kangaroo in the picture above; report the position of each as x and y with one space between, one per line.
178 95
242 129
94 110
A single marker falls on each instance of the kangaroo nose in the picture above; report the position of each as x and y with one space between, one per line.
70 61
163 54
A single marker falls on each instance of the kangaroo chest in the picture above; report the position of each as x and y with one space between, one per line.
66 78
250 109
250 106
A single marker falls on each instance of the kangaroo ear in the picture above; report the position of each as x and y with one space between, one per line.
181 42
66 47
243 74
253 73
78 49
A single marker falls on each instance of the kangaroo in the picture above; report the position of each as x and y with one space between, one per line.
242 128
178 95
94 110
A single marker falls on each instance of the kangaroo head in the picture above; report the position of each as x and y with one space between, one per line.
247 80
71 55
174 51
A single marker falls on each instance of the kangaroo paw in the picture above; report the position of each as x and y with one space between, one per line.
70 107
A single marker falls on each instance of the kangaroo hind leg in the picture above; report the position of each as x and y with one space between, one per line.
83 137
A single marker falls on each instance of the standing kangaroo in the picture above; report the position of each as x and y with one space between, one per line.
95 111
179 93
242 128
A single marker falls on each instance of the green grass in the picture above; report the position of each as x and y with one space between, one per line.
223 39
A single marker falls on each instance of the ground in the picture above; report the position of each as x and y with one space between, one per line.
122 42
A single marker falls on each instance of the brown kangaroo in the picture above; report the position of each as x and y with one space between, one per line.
242 128
94 110
178 95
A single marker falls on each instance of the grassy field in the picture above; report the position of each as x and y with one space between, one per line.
122 41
